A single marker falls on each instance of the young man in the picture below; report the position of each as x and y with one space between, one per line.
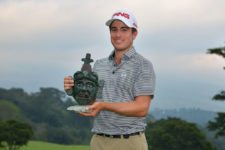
129 82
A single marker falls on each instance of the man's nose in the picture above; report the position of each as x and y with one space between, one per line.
118 33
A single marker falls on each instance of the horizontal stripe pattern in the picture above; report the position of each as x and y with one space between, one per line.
133 77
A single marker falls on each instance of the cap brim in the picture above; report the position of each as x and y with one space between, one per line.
108 23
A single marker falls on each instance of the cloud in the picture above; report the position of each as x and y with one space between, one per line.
69 25
168 15
41 41
198 62
20 19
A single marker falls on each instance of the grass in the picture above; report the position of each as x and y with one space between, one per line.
36 145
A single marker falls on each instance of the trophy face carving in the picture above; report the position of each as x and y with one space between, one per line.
86 87
86 83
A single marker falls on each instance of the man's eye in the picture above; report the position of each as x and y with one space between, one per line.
124 29
113 29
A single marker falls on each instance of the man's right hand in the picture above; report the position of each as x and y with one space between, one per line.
68 83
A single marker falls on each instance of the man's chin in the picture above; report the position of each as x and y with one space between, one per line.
121 48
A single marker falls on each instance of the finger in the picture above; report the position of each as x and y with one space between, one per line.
68 87
68 82
68 78
86 114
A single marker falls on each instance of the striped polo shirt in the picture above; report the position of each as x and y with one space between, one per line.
134 76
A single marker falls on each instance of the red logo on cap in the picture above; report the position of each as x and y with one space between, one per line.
122 14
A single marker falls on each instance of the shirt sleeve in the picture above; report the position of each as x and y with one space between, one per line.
94 66
145 81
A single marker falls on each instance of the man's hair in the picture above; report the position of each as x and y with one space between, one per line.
133 29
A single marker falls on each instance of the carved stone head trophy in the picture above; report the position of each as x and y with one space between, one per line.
85 86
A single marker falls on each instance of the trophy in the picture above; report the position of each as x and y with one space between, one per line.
85 86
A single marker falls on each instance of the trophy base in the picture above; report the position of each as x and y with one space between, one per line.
79 109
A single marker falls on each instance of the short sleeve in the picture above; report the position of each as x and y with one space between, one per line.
94 66
145 81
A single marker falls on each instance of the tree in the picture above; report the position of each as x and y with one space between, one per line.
218 51
219 124
45 111
14 134
9 111
175 134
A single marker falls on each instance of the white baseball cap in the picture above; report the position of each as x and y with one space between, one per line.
125 16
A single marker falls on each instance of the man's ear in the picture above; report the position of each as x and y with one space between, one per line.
135 35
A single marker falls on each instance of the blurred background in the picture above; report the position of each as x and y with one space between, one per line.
41 41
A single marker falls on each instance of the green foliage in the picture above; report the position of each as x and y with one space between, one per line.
9 111
175 134
14 134
35 145
218 51
46 111
219 124
220 96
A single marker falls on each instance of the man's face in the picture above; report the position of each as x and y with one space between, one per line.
85 89
121 35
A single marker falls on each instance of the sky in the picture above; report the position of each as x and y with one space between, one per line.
42 41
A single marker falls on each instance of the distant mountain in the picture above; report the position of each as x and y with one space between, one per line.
195 115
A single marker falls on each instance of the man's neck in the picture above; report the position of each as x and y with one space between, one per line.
119 55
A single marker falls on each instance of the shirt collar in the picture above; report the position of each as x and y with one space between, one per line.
127 55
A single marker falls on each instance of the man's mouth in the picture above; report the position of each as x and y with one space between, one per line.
118 41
